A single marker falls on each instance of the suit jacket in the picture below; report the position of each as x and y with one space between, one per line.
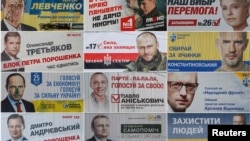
93 139
24 27
7 107
24 139
5 57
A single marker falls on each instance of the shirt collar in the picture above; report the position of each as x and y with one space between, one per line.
11 28
98 139
11 57
13 102
20 139
93 97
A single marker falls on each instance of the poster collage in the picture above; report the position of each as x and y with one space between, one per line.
123 70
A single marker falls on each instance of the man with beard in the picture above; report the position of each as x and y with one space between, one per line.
231 46
150 58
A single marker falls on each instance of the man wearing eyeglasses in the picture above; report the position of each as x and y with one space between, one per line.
181 90
15 86
231 46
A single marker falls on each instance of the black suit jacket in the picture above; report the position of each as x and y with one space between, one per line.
7 107
93 139
24 139
5 57
24 27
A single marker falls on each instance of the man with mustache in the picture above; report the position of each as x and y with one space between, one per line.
15 86
231 46
150 58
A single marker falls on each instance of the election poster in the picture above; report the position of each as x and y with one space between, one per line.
207 15
44 15
194 127
124 127
48 92
125 92
43 51
113 51
217 93
125 15
42 126
208 51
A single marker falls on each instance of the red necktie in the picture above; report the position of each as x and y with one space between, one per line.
18 107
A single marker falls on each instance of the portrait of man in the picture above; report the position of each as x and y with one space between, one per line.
132 9
181 90
16 126
12 44
15 86
150 58
100 126
236 13
239 119
231 46
98 100
148 10
13 12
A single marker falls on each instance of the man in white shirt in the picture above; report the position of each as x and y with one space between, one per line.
13 12
98 100
12 45
16 127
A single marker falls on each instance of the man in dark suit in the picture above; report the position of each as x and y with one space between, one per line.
13 11
12 42
15 86
101 128
16 126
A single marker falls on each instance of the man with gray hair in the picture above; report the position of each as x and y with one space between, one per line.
239 119
231 46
